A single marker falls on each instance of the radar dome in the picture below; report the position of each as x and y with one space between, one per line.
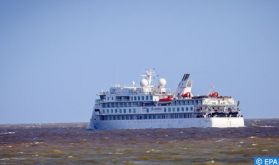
162 82
143 83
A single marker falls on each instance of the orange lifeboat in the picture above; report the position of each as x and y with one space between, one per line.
167 99
213 94
187 94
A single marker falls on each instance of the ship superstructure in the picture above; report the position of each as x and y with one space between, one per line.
155 106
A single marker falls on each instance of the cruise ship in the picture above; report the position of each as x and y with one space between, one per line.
151 105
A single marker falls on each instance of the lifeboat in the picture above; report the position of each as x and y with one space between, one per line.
167 99
187 94
213 94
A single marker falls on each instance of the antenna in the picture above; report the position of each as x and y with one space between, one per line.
149 73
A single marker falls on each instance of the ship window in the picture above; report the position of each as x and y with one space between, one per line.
135 98
173 109
186 108
115 110
169 109
138 97
130 111
120 110
146 97
107 110
144 116
111 111
191 108
131 98
165 109
151 97
190 102
177 109
142 97
134 110
147 110
124 110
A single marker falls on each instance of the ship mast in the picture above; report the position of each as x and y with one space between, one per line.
149 75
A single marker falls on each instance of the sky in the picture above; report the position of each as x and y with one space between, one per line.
56 55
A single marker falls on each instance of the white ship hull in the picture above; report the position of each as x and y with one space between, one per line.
154 106
219 122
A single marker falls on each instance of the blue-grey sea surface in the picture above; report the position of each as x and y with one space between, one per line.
71 143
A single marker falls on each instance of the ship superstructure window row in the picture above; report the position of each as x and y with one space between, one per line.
149 110
148 116
139 104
